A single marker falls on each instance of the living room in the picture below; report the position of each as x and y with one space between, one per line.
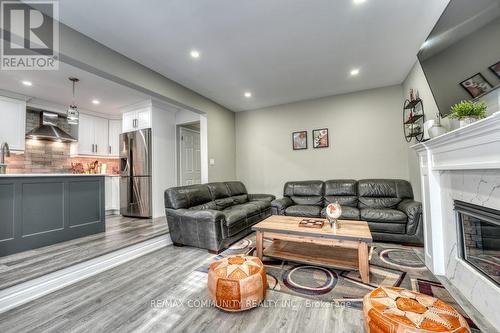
324 165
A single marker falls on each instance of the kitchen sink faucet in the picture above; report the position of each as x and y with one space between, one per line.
5 151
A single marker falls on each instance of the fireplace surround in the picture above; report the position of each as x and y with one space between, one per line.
479 238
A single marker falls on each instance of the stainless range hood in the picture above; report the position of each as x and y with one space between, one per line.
49 130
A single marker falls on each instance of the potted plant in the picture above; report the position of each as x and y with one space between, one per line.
468 112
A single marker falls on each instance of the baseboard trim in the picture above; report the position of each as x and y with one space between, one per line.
28 291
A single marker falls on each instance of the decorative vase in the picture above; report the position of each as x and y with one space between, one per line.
333 212
467 121
436 130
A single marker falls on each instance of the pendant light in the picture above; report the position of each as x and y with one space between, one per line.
73 114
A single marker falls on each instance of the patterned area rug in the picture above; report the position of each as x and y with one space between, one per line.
391 265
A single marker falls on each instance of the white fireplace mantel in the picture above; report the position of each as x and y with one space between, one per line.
463 164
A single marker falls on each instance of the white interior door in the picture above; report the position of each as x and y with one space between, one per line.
190 157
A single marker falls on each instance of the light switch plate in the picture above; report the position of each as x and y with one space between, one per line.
212 161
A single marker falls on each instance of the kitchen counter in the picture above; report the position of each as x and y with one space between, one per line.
43 209
14 175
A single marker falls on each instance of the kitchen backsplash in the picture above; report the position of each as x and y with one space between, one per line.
42 156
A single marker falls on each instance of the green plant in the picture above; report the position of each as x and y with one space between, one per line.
466 109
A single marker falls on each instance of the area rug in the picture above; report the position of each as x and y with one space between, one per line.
390 266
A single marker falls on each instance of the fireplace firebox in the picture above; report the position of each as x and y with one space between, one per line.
479 238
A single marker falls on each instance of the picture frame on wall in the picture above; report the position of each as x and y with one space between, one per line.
496 69
320 138
476 85
299 140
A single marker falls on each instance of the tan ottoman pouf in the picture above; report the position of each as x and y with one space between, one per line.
397 310
237 283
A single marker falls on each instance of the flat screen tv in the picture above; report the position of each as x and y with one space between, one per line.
461 56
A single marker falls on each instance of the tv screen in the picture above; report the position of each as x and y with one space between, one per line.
461 56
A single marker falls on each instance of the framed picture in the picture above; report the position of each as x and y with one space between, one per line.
476 85
299 140
320 138
496 69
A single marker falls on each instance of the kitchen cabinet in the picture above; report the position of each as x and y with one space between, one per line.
13 122
93 136
112 194
115 129
137 119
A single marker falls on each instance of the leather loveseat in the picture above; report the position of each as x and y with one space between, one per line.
386 204
212 216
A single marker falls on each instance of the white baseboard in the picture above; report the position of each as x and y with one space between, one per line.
30 290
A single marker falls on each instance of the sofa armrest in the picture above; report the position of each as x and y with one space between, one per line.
279 206
200 228
413 209
261 197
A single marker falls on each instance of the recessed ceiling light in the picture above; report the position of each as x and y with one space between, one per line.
95 101
355 72
248 94
194 54
27 83
359 2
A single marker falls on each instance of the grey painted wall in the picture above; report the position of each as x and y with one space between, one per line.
366 140
83 52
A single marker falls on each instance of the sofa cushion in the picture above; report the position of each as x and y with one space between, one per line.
348 213
224 203
219 190
341 187
390 188
303 210
347 200
239 199
261 205
250 208
236 188
235 215
383 215
372 202
187 196
308 200
207 205
387 228
303 188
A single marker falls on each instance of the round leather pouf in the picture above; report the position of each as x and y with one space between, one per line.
237 283
397 310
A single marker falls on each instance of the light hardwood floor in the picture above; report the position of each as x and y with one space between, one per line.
119 300
120 232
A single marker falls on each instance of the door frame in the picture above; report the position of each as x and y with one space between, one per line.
180 129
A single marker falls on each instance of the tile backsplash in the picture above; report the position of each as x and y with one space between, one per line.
42 156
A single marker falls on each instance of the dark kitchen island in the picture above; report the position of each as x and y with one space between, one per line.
43 209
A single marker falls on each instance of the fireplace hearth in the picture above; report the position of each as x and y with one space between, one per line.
479 238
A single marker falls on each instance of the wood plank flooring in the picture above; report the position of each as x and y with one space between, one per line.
120 232
120 300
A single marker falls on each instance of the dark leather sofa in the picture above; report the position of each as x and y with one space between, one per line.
386 204
212 216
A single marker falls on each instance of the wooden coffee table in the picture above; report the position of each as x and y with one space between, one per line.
345 248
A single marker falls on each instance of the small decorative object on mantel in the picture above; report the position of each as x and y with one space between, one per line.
333 212
496 69
312 223
299 140
476 85
437 129
320 138
413 118
468 112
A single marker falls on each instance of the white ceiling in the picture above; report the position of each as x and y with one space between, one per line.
55 87
280 50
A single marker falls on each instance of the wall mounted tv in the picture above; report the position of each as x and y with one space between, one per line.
461 56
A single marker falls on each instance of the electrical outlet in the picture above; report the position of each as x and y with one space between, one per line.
212 161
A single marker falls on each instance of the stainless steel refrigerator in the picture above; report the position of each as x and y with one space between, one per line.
135 171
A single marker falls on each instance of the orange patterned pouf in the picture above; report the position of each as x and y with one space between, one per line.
397 310
237 283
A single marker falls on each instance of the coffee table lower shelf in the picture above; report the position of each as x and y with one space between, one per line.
319 255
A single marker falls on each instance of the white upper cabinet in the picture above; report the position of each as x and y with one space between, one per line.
93 137
101 136
115 129
13 122
137 117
